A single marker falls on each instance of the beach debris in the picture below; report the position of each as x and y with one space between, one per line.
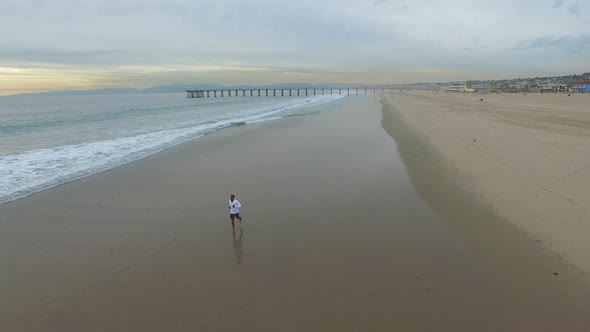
569 94
480 99
474 140
555 274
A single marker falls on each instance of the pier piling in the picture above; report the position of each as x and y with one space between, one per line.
236 92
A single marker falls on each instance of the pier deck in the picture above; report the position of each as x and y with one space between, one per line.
284 92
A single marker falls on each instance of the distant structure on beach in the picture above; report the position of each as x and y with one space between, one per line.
363 91
581 86
552 87
454 88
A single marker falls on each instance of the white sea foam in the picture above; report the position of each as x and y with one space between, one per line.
25 173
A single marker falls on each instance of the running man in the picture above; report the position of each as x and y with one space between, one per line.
234 210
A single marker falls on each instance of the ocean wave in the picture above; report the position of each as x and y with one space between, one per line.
25 173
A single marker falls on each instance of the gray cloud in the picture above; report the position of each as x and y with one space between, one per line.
99 57
306 36
381 2
574 10
558 3
577 43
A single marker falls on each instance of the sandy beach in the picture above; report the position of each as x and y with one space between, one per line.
526 157
353 221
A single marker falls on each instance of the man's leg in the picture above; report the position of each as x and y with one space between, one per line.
239 217
232 221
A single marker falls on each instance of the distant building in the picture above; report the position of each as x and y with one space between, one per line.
481 87
560 87
510 88
581 86
553 87
454 88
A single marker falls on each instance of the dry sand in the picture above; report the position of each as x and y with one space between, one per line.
527 157
335 238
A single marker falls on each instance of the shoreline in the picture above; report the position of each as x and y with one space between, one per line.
133 152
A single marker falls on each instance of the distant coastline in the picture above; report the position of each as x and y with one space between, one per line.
180 88
501 85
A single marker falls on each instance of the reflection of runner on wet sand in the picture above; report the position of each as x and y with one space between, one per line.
238 245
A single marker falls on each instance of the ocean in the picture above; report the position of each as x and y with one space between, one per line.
46 141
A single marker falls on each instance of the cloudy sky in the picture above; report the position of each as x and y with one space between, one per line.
86 44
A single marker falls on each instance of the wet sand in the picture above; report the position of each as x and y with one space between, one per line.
337 235
527 157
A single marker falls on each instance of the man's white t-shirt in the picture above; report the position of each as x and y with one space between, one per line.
234 206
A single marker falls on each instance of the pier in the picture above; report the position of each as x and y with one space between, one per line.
361 91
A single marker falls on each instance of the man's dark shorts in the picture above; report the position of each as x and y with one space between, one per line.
234 215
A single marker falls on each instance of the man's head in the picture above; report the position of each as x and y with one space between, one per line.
232 197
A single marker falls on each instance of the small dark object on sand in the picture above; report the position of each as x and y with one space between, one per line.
555 274
569 94
474 140
480 99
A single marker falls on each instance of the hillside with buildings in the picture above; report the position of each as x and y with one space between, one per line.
564 84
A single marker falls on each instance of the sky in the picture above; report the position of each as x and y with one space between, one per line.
84 44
